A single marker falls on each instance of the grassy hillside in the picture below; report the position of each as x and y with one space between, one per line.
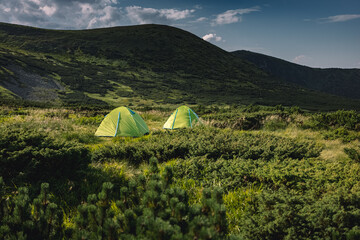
147 64
6 94
342 82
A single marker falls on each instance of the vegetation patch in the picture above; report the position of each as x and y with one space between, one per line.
291 177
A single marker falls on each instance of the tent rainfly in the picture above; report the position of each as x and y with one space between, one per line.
122 121
182 117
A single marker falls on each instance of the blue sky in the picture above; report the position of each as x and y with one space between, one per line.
316 33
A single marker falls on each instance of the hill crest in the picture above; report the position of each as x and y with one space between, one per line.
146 64
337 81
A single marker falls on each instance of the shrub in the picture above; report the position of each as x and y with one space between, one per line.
238 172
245 122
274 124
295 110
28 155
354 154
151 208
148 208
347 119
284 214
341 133
37 219
210 142
251 108
80 137
237 202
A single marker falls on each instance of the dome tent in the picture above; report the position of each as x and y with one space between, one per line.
122 121
182 117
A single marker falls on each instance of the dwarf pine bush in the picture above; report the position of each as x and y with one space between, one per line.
285 214
26 219
28 155
353 153
210 142
148 208
347 119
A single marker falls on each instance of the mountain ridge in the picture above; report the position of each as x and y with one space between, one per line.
322 79
146 64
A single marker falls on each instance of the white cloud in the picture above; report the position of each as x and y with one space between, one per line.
299 58
212 36
86 8
103 18
109 1
201 19
232 16
38 2
62 14
175 14
80 14
19 11
49 11
302 60
142 15
340 18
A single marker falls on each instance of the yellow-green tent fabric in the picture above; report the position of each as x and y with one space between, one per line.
122 121
182 117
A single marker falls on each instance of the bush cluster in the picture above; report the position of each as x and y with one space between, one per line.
148 207
30 155
347 119
252 117
284 214
353 153
21 218
341 133
210 142
275 187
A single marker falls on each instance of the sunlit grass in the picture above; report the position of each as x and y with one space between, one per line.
6 94
154 119
237 202
117 169
333 150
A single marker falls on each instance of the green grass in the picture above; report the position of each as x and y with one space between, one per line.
6 94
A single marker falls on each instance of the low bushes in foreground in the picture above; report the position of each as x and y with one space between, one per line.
148 208
286 214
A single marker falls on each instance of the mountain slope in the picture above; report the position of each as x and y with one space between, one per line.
342 82
141 64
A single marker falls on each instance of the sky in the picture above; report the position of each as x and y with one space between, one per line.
315 33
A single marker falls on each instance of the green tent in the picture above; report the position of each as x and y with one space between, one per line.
182 117
122 121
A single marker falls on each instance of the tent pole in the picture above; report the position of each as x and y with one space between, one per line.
117 125
190 118
174 119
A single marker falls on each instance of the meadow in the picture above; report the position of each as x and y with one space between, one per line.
249 172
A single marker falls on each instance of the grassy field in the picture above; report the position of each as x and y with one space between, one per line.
255 172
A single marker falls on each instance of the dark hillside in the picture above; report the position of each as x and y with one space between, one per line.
141 64
156 47
342 82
